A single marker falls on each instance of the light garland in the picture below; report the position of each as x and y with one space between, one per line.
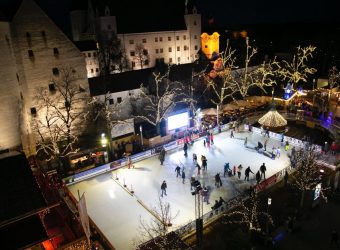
273 119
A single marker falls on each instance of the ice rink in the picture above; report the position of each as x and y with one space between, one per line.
117 213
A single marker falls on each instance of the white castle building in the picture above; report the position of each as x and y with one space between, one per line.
178 45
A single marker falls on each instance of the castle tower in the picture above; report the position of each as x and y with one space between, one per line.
193 23
210 44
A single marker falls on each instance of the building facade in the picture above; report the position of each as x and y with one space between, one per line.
35 50
143 49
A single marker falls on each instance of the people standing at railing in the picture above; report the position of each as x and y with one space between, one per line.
247 173
194 158
263 170
183 176
258 177
205 194
204 162
239 170
218 181
287 146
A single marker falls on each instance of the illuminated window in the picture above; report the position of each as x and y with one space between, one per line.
144 40
170 49
111 101
131 42
132 53
169 38
156 39
161 39
55 51
178 48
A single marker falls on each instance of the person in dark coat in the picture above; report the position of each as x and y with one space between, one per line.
163 188
183 176
258 177
263 170
185 148
218 181
247 172
162 155
178 171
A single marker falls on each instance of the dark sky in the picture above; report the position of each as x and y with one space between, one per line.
274 11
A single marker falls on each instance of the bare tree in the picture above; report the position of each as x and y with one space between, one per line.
248 213
111 53
156 232
141 55
333 79
228 79
154 106
297 70
61 110
307 174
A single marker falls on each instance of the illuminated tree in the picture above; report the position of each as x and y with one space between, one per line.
297 70
333 79
155 233
307 174
141 55
61 111
248 213
227 79
153 105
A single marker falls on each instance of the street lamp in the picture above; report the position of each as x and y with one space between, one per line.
267 224
218 124
141 135
196 185
103 140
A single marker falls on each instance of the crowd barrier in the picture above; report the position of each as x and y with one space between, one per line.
177 143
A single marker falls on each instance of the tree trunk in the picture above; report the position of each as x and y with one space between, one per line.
302 198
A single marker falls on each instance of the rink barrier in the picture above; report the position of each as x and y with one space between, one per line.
212 216
178 143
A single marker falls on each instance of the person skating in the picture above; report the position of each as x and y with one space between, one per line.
185 148
198 169
226 169
245 142
247 172
221 201
218 181
231 133
239 170
234 170
162 155
163 188
178 171
258 177
215 206
205 194
183 176
265 144
194 158
212 138
287 146
204 162
263 170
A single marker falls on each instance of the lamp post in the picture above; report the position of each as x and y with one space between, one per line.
218 124
141 135
104 141
267 224
198 212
